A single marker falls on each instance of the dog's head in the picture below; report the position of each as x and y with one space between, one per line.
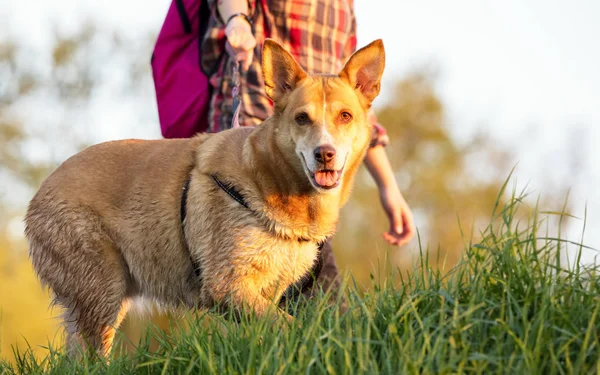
324 116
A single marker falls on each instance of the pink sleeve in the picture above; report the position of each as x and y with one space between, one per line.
379 135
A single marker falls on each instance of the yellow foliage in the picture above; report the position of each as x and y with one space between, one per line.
25 316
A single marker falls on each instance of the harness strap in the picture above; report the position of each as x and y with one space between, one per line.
186 188
231 191
183 212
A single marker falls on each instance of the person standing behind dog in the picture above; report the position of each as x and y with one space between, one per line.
321 35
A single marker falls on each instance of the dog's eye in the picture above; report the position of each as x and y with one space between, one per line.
302 118
345 116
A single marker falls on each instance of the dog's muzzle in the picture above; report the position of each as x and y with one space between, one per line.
324 176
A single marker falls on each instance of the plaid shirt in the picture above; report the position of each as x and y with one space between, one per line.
320 34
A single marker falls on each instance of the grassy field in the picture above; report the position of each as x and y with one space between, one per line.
512 305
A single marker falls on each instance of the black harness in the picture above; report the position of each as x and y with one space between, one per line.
293 291
182 213
231 191
226 187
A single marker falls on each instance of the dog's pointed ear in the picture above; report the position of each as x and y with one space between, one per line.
364 69
281 72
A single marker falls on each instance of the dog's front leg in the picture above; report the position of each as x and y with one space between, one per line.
247 298
260 305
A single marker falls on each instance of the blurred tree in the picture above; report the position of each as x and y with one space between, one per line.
44 104
45 101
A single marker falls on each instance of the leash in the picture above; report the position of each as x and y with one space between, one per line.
236 103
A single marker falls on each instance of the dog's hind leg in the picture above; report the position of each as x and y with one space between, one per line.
74 255
101 304
100 338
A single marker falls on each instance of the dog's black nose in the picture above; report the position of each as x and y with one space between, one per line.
324 154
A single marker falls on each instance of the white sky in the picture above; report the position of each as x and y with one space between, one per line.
525 71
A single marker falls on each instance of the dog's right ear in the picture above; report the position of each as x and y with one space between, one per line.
281 72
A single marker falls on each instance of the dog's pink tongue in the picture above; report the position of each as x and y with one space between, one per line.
326 178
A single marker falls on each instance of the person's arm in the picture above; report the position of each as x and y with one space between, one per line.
240 40
402 227
227 8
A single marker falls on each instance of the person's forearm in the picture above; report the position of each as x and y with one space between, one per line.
379 167
228 8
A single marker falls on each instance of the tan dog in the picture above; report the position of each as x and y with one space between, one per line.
165 219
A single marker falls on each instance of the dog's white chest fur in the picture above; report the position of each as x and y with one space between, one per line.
277 263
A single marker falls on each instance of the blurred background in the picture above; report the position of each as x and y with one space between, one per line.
472 89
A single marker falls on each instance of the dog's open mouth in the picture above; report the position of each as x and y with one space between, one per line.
327 178
324 178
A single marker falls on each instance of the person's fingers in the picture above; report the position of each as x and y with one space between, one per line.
389 238
239 35
248 43
399 225
392 238
244 56
403 240
400 237
237 43
397 240
409 225
241 48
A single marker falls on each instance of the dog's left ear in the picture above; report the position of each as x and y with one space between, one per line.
364 70
281 72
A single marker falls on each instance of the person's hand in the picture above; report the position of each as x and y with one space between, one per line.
402 225
240 41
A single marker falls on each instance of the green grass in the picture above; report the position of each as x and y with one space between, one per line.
512 305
